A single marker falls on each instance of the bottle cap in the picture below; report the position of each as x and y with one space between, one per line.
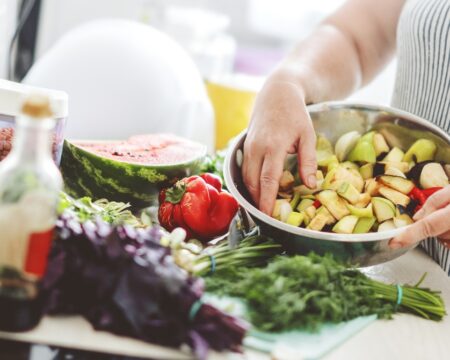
37 106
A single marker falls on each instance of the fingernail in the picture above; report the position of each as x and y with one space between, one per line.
311 181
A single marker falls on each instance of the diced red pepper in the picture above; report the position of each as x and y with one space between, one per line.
431 191
418 195
317 204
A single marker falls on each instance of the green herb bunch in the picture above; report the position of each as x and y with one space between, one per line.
214 164
109 211
307 291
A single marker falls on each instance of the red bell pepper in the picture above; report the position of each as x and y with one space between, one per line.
422 195
430 191
199 205
418 195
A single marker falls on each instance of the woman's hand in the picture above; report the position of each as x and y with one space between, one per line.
432 220
280 125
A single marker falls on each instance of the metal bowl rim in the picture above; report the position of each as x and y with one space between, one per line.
369 237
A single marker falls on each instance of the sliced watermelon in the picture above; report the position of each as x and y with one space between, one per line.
130 171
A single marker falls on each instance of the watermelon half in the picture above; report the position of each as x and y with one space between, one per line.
130 171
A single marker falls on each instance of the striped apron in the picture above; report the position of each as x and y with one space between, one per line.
422 84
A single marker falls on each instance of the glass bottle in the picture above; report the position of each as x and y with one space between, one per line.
30 183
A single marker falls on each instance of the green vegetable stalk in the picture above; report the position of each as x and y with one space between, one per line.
307 291
251 251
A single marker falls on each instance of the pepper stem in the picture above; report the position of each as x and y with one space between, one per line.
176 192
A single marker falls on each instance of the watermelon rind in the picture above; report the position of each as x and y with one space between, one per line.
87 174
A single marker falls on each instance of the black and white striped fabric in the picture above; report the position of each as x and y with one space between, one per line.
423 76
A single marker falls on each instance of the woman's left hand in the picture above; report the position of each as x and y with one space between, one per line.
432 220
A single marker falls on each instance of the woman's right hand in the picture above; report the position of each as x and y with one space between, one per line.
280 125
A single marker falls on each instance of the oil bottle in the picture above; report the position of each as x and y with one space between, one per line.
30 183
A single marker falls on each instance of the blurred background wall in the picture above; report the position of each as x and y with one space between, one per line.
225 36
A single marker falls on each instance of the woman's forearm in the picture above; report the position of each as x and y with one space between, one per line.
345 52
314 66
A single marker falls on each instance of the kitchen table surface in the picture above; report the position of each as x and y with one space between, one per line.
405 337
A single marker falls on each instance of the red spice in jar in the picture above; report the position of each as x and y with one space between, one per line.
6 135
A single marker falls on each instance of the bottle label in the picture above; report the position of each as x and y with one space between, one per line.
37 254
26 229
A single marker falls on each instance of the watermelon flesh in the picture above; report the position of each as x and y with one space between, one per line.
132 170
163 149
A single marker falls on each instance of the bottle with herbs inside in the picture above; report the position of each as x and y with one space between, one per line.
30 183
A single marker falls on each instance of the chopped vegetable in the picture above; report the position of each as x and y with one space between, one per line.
362 170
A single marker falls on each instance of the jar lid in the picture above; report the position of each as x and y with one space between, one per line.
13 95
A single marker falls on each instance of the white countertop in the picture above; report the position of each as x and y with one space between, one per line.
405 337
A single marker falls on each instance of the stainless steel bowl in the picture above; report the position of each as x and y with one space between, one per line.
333 119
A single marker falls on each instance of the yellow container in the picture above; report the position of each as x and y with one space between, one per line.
233 106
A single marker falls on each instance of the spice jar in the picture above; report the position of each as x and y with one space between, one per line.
12 95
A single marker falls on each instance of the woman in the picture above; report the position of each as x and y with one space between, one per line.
345 52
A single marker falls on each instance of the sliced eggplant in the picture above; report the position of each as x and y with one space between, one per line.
304 190
304 204
371 187
286 181
387 225
378 169
334 204
421 150
345 144
416 170
367 171
397 183
364 200
402 220
395 155
285 195
361 212
433 175
346 225
339 175
310 211
402 166
348 192
380 145
395 196
395 172
295 218
382 167
383 209
322 218
364 225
